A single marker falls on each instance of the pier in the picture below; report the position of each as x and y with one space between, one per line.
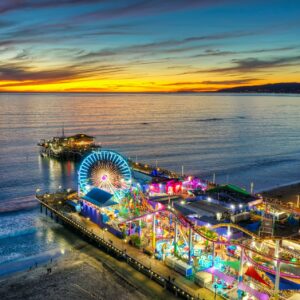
180 287
63 147
130 213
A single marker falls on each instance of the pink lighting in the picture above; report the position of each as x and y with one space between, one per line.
174 187
194 183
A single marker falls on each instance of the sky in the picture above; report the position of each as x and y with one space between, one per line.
147 46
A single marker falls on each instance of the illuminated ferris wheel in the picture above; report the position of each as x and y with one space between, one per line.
107 170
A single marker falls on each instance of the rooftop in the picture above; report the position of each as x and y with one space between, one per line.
99 198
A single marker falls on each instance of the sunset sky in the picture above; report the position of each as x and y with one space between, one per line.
147 46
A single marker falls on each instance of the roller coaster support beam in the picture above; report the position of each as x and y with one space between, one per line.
176 238
140 228
277 278
228 233
154 232
213 254
240 278
190 245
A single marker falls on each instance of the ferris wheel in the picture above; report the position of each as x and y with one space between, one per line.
107 170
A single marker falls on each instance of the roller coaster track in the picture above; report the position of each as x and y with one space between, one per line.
187 223
266 269
253 235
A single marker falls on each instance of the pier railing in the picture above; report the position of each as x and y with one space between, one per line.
116 252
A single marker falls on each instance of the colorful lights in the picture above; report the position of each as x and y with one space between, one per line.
107 170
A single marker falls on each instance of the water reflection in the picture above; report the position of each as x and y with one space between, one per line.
55 173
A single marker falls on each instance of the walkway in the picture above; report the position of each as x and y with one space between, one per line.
156 265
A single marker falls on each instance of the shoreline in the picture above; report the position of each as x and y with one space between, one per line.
13 267
79 272
84 273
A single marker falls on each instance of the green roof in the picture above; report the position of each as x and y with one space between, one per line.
230 188
238 189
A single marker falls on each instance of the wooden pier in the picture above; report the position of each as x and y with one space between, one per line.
109 248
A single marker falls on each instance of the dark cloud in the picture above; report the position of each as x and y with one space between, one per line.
213 82
11 5
142 8
251 65
166 46
217 52
23 73
48 33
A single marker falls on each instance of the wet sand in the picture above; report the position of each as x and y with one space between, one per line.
80 274
73 276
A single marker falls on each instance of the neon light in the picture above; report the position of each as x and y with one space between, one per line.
107 170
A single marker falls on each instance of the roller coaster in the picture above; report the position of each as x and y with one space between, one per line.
244 245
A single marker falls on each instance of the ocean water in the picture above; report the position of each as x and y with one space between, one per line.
240 138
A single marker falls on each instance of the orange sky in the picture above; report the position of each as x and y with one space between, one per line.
134 46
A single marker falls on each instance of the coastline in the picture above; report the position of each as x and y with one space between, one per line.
83 272
74 275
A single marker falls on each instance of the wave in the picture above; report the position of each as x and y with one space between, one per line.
18 233
220 119
258 164
210 120
24 263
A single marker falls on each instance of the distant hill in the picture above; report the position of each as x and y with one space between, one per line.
278 88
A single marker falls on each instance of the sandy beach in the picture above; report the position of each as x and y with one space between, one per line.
85 273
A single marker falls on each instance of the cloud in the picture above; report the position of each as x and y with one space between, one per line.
143 8
217 52
249 65
166 46
11 5
213 82
21 74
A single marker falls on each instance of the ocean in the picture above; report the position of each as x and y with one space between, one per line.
240 138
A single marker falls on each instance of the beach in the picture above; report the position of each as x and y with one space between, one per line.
83 273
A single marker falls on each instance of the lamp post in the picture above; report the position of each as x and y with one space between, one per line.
124 242
215 291
103 231
37 191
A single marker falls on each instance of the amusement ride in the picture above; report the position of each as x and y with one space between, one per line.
248 264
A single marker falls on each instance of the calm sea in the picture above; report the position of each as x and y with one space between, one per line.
240 138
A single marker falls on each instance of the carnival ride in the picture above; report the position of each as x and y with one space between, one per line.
107 170
167 231
246 245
